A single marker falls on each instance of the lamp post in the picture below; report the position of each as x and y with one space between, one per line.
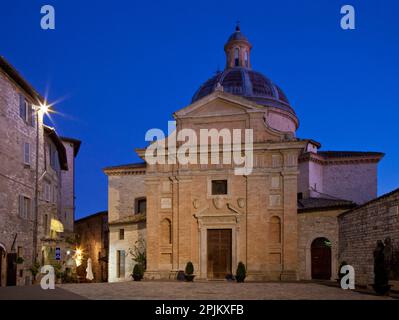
40 110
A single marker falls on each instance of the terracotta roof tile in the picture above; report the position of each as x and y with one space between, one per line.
312 204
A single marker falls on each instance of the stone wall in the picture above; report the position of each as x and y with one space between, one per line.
356 182
16 178
359 230
133 233
93 237
68 192
125 186
122 192
343 179
313 225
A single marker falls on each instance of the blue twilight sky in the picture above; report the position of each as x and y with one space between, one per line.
124 67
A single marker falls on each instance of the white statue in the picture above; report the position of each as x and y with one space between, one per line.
89 271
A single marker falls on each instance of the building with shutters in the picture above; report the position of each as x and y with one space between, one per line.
37 167
280 220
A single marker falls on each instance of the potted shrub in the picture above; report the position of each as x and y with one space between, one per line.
58 272
20 260
189 272
241 272
34 269
138 272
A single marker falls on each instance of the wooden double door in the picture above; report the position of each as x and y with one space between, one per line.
219 249
321 259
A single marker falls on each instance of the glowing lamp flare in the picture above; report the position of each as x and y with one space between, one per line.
44 108
78 257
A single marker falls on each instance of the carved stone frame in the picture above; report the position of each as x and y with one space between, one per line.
208 220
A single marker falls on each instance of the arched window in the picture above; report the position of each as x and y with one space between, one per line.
166 231
236 57
246 59
275 230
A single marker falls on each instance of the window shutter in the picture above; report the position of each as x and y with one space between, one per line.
26 207
27 153
22 107
31 115
20 205
122 265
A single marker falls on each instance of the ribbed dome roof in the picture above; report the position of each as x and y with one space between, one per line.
239 79
247 83
237 36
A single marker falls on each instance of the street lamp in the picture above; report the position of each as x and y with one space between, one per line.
42 108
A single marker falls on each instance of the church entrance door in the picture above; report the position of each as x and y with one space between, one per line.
321 259
219 253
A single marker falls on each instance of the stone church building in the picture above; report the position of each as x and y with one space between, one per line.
280 220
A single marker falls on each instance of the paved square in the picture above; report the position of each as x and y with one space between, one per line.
174 290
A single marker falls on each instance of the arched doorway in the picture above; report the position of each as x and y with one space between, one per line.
321 259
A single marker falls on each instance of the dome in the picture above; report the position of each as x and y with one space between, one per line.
239 79
246 83
237 35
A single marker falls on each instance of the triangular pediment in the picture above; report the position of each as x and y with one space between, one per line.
218 104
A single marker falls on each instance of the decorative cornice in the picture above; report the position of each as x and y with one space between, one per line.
314 157
124 172
133 219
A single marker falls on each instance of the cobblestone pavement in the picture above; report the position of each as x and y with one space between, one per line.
214 290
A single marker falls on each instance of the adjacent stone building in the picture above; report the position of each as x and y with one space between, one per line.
280 219
359 230
329 184
127 218
36 181
92 233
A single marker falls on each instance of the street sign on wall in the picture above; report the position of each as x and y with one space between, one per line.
57 254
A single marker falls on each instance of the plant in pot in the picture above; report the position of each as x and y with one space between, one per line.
34 269
58 272
138 272
189 272
20 260
241 272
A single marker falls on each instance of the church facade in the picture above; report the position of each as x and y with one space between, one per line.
278 219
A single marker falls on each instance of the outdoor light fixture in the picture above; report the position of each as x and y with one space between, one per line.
43 107
78 257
